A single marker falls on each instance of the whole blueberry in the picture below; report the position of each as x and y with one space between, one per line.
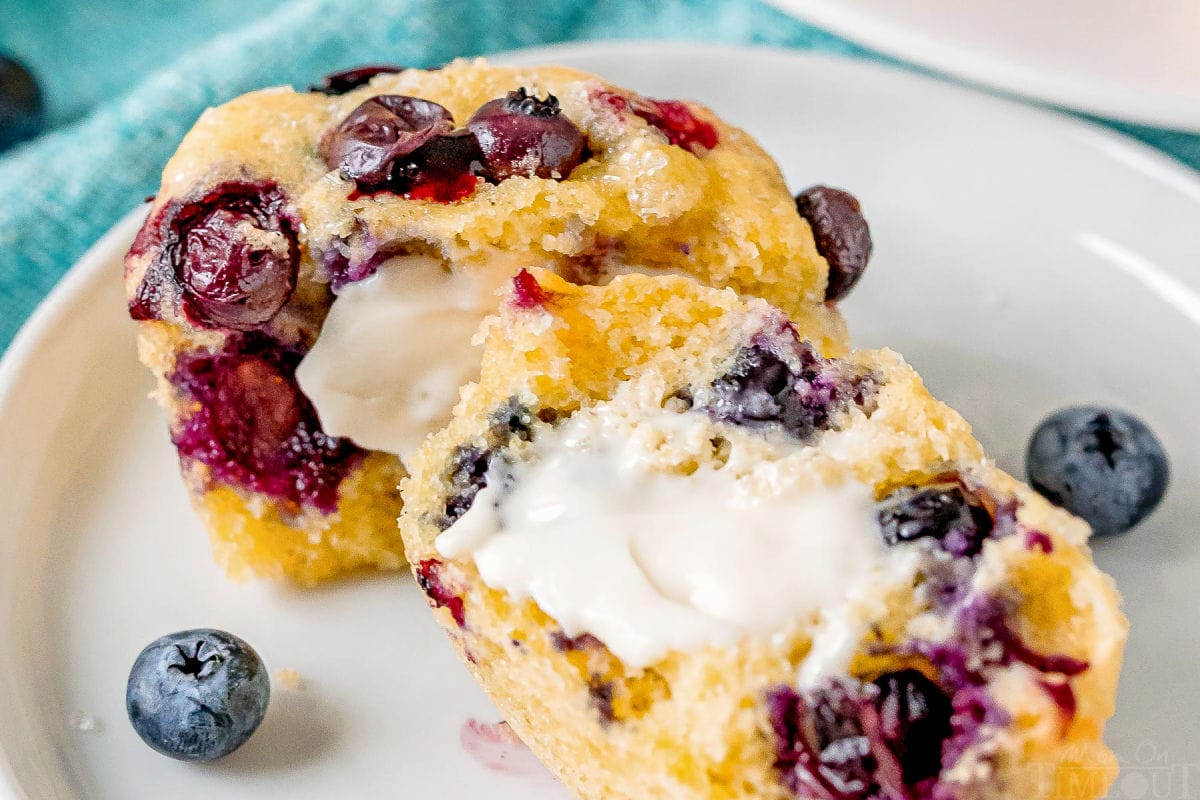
841 233
230 253
22 113
197 695
1101 464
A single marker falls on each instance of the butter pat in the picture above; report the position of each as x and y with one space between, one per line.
395 348
650 562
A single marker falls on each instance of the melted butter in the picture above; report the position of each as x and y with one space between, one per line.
649 561
394 350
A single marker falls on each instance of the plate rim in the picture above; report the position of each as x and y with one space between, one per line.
90 268
71 289
986 69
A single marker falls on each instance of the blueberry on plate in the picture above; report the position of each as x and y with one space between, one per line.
1101 464
197 695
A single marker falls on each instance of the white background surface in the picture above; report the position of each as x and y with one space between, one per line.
1133 59
1023 261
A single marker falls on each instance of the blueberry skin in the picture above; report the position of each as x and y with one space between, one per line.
1101 464
197 695
22 112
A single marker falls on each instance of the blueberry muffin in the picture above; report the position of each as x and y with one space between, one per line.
689 557
315 263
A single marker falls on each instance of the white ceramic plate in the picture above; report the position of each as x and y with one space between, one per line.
1024 261
1133 59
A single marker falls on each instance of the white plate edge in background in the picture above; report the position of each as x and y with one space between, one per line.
991 69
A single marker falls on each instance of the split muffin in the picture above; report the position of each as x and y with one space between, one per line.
314 264
689 556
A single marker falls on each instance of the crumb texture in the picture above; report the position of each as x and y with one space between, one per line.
982 662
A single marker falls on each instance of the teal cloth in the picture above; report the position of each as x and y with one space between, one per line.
113 134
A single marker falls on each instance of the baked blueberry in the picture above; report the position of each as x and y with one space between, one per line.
914 720
674 118
230 254
197 695
842 235
444 169
429 578
336 83
467 475
521 134
1101 464
369 141
468 469
845 762
846 740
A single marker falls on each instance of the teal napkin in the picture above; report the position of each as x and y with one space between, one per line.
59 193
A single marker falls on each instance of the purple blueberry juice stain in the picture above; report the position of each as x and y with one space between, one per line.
1063 696
527 292
1036 540
342 269
948 581
495 747
343 265
983 622
250 424
674 118
975 711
